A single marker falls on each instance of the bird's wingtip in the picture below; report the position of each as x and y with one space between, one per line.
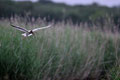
12 25
49 25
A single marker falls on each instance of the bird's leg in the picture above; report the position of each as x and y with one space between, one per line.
27 34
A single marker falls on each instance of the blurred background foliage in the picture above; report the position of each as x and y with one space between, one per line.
48 10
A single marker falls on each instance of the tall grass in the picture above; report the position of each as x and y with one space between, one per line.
62 52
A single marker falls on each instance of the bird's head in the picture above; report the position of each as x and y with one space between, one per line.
31 32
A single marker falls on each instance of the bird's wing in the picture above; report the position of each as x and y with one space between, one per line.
41 28
19 28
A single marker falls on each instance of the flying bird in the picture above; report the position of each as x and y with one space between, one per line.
28 33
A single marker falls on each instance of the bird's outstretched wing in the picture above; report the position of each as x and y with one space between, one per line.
34 30
19 28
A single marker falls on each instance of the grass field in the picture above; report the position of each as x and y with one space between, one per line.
62 52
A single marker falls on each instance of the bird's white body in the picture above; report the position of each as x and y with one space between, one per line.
28 33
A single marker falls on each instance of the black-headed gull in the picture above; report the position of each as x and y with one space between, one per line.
28 33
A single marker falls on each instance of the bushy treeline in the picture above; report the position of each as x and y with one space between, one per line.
58 12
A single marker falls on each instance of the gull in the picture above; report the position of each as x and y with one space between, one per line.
28 33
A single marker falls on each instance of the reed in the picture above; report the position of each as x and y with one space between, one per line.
63 52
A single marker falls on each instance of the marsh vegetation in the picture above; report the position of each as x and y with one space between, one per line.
62 52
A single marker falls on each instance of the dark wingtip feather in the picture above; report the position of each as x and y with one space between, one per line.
12 25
